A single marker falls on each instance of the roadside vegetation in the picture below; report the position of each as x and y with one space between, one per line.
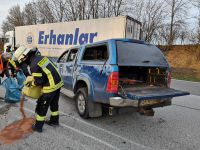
179 76
185 61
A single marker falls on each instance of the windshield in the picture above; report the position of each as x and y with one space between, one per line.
134 54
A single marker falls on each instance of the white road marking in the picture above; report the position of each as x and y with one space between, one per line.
87 135
80 132
104 130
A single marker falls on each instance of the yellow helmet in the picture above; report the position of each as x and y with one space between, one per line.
20 53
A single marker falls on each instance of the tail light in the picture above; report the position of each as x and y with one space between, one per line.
113 83
169 78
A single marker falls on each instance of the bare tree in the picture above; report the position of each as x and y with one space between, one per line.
87 9
196 3
105 9
96 9
135 8
152 18
92 9
183 36
151 13
177 12
81 9
58 8
16 16
30 14
45 14
6 26
118 8
108 8
71 10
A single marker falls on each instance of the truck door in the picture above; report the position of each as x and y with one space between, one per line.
61 64
69 65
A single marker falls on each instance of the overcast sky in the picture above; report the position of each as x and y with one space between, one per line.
5 5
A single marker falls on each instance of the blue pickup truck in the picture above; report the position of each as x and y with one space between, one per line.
117 73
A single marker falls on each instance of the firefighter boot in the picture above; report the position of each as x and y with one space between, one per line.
53 121
37 126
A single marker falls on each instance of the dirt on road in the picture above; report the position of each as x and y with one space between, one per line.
18 129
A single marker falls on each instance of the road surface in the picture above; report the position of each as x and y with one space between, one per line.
192 87
172 127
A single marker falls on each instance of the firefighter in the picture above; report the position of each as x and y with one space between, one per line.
9 64
47 76
5 63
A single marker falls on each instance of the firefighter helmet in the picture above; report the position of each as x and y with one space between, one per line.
20 54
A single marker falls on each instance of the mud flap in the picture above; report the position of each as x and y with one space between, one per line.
95 109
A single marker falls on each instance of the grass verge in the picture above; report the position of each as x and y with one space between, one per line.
185 77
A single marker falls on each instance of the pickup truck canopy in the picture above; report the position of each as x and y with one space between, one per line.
135 54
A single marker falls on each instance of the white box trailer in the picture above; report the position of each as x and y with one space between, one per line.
54 38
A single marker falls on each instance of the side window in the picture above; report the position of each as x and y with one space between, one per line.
63 57
72 55
96 53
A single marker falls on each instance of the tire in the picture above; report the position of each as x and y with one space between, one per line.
81 99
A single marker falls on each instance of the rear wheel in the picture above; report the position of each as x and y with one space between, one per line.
81 99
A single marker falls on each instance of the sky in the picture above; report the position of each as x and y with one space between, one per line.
5 5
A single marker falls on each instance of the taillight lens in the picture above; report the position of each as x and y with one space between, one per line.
169 78
113 83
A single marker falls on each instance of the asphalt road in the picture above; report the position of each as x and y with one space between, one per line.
172 127
192 87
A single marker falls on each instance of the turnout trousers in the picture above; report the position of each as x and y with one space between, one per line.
44 102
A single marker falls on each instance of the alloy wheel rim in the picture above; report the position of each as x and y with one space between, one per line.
81 103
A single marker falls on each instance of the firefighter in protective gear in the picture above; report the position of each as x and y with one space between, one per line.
6 64
9 64
47 76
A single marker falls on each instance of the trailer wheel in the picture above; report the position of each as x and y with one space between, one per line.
81 99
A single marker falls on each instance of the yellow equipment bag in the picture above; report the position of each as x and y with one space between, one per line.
33 92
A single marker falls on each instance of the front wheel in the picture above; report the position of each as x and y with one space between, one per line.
81 99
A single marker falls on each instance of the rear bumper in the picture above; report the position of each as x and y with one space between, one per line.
120 102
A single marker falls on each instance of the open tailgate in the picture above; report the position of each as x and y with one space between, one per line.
153 92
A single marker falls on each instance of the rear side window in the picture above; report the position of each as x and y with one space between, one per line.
96 53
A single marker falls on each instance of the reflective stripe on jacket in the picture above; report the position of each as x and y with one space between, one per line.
45 74
12 63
